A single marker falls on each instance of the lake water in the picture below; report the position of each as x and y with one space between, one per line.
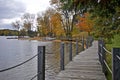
13 52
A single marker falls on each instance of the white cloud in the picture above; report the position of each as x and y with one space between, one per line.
35 6
8 21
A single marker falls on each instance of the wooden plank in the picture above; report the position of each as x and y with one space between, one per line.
85 66
93 68
84 63
79 74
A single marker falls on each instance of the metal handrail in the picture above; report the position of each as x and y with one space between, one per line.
108 67
114 71
100 54
107 50
118 57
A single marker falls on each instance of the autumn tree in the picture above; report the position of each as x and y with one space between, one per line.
22 32
42 28
28 20
17 25
56 26
43 21
85 23
106 10
68 10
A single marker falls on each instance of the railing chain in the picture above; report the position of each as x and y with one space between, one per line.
18 64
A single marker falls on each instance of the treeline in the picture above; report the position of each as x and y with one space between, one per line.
7 32
100 18
22 32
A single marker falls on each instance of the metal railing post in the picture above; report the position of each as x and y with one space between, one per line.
115 64
91 40
70 51
41 63
76 47
103 56
87 43
83 44
62 56
99 49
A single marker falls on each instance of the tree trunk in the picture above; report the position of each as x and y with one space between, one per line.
68 36
88 33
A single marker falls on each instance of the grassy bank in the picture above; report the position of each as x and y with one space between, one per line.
115 43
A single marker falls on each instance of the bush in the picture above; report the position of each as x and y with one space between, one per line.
116 41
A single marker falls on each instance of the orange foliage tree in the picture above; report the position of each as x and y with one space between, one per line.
56 25
85 23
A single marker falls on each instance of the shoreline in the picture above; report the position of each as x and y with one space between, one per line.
39 39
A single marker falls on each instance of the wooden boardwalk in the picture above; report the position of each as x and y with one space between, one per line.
85 66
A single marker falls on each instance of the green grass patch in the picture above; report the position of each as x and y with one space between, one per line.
109 46
116 41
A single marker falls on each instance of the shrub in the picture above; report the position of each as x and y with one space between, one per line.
116 41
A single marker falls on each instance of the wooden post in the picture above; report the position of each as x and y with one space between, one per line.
115 64
76 47
70 51
62 57
41 63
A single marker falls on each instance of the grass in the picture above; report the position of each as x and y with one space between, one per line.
109 62
115 43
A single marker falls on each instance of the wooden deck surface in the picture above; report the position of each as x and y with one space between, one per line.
85 66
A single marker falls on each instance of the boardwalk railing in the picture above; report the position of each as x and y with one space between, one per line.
41 57
114 65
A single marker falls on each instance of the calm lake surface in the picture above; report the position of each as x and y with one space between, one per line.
13 52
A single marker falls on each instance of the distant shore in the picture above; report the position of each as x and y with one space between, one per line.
39 39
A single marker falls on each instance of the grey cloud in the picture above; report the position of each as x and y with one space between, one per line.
11 8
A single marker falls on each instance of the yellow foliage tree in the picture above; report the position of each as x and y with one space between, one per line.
56 24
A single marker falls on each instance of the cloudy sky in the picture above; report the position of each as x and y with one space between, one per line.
11 10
